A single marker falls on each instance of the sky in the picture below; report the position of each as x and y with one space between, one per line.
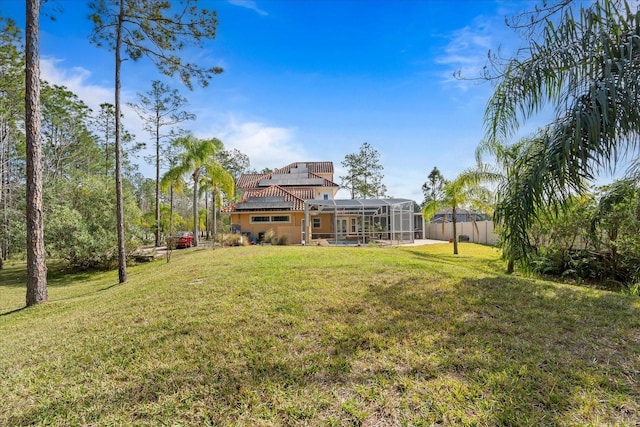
311 80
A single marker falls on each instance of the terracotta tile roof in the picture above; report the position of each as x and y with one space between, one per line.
294 197
251 180
300 172
313 167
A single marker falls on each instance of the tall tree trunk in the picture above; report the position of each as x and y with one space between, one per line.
510 266
196 176
5 160
171 210
215 219
122 255
157 183
455 232
36 265
206 218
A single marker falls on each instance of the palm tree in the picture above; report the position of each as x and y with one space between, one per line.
464 191
198 157
588 67
506 172
204 188
217 180
172 181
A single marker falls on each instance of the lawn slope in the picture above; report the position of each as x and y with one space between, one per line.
318 336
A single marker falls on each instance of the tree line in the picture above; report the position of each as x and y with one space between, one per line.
79 167
582 59
68 159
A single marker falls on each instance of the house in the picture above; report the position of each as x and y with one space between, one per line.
297 202
276 201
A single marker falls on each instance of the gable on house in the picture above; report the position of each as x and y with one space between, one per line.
276 200
299 175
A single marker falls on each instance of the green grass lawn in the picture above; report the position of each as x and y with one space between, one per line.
269 336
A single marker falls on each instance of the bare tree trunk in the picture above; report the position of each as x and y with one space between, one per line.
36 265
215 219
157 183
4 189
455 232
195 209
169 241
206 217
122 255
510 266
171 210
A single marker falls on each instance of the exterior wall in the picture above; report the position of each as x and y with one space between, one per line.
486 230
293 229
320 191
326 175
326 225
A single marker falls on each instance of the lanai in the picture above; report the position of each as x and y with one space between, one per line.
389 220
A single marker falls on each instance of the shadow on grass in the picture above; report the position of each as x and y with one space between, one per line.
72 297
533 353
500 351
15 276
496 265
17 310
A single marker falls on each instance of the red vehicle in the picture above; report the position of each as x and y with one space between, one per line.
182 239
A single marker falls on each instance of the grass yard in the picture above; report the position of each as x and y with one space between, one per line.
271 336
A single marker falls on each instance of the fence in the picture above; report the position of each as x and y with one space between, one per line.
484 234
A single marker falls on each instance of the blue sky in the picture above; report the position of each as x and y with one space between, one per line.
309 80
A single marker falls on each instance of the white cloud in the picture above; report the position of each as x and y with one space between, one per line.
468 47
267 146
76 80
249 4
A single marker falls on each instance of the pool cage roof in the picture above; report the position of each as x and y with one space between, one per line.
380 220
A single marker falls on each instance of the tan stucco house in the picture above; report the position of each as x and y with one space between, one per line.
298 201
276 200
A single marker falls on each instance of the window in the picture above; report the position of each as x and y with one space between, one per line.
325 196
259 219
316 222
354 225
274 218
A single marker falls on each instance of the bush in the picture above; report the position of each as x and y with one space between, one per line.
80 227
269 236
283 240
234 240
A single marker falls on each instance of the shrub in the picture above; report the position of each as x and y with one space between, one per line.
234 240
269 236
283 240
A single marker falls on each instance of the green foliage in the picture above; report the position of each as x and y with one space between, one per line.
80 222
197 159
67 237
433 189
364 173
464 192
283 240
234 240
157 29
595 237
585 65
234 161
269 236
